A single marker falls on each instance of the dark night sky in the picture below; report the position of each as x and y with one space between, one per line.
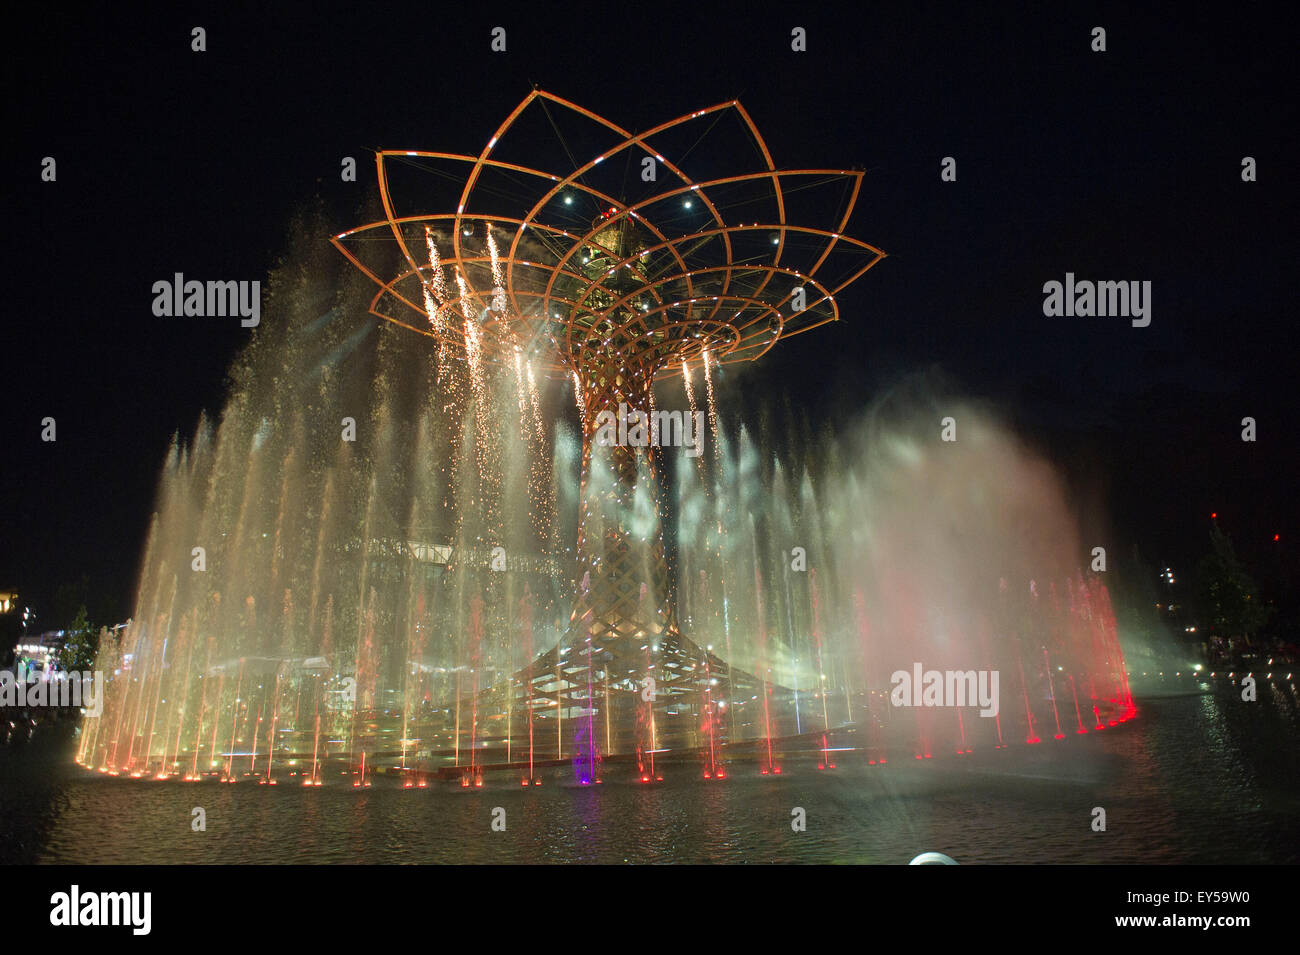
1122 165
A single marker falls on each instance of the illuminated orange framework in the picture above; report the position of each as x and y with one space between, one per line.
624 271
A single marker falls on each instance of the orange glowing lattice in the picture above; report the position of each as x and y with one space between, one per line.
625 260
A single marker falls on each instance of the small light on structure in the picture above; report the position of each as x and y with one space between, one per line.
568 200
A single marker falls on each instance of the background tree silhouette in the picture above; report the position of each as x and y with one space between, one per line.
1229 596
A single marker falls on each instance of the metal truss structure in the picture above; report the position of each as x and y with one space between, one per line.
621 272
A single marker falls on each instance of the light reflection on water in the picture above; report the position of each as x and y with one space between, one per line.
1201 779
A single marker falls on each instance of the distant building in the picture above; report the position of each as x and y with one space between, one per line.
39 652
